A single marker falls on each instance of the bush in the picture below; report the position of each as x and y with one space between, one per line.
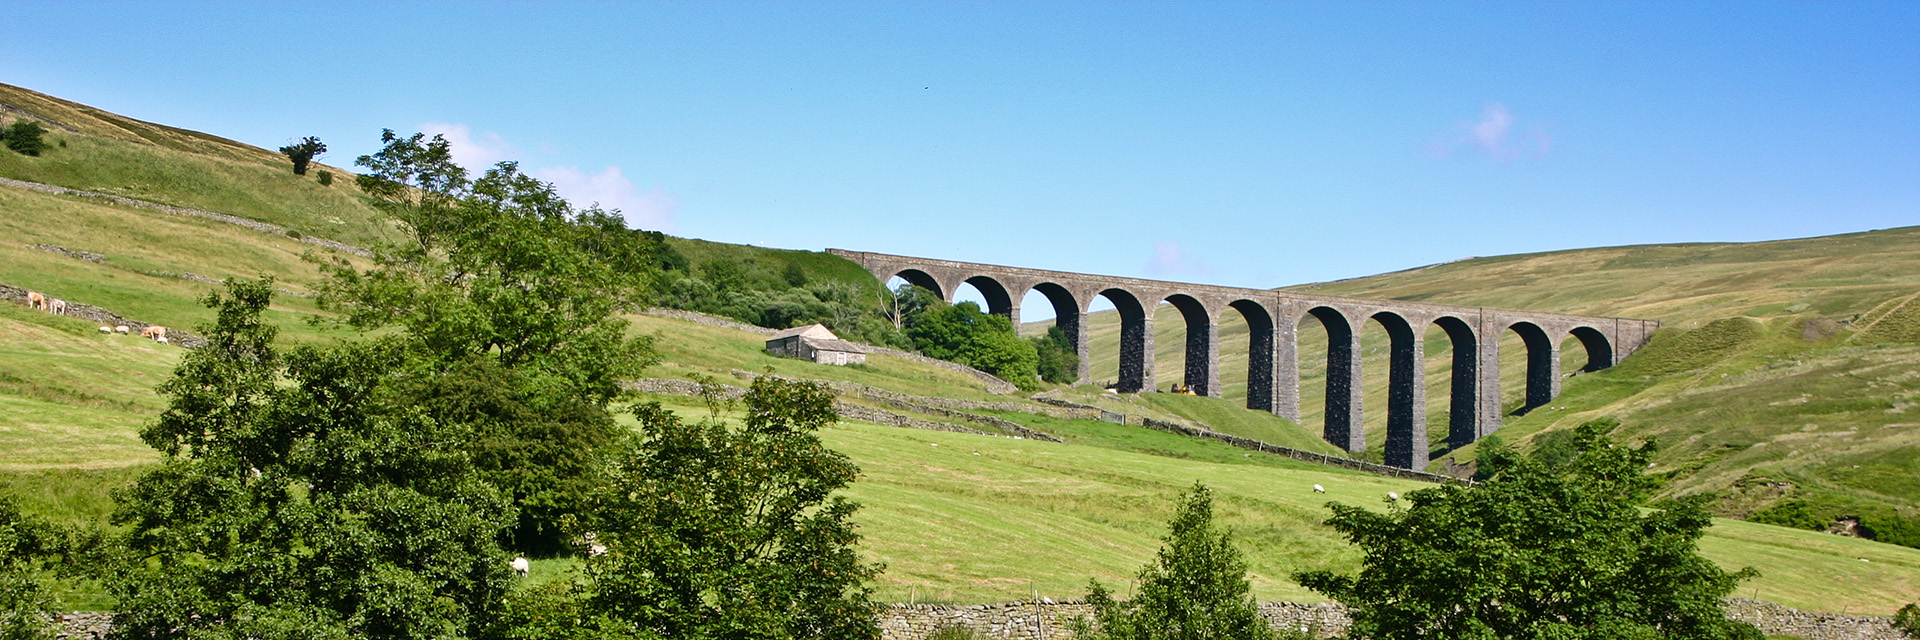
1538 554
1196 587
25 547
324 177
1908 620
1792 513
26 137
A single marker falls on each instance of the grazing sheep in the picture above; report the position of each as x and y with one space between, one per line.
1393 496
36 300
155 332
122 330
161 339
106 329
56 306
521 566
1319 489
596 550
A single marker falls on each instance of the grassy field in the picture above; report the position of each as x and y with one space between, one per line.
1026 516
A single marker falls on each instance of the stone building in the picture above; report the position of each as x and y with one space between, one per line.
814 342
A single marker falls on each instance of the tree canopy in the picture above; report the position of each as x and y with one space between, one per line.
1195 589
1536 553
302 153
963 333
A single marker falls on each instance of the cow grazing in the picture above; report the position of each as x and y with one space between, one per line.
122 330
56 306
155 332
36 300
521 566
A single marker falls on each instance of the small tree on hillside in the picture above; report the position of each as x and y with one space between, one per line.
720 532
303 152
1536 554
1196 588
25 136
26 549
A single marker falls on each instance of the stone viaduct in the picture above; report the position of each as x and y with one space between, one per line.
1274 317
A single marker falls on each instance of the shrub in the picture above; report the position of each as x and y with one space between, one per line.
324 177
26 137
1195 588
1908 620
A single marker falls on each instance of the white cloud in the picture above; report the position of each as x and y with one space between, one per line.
1495 135
1169 259
609 187
652 210
476 154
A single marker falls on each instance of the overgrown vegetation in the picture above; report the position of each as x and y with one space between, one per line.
25 137
302 152
1536 552
27 549
1195 589
963 333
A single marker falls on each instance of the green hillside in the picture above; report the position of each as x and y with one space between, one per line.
1019 517
1787 371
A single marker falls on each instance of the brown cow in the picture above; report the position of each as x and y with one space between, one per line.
156 332
56 306
36 300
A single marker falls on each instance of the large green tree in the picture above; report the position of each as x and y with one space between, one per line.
302 152
1536 552
28 549
1195 589
510 297
964 334
304 495
715 531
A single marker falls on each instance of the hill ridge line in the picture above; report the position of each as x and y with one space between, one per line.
255 225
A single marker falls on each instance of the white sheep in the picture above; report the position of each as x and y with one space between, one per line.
1319 489
1393 496
106 329
161 339
122 329
521 566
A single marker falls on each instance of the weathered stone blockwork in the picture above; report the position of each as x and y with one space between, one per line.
1274 318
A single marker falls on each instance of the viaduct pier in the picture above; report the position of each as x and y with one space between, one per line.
1273 318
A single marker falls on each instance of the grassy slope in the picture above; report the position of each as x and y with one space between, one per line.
963 528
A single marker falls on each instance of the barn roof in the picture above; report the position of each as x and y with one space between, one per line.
815 331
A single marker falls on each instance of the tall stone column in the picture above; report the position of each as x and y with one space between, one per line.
1286 366
1203 357
1407 400
1344 412
1488 356
1070 323
1260 370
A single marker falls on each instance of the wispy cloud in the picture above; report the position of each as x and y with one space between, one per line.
609 187
477 154
1497 134
1170 260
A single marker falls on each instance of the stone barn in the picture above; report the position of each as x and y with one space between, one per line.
814 342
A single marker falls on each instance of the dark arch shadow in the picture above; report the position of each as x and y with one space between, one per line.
1197 365
1068 317
1599 350
1342 415
998 301
1540 365
1406 445
1135 343
1463 401
1259 354
920 279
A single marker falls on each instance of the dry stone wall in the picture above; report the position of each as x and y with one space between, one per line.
196 213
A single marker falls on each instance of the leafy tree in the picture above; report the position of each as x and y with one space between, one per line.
963 333
27 550
510 298
1536 554
1195 589
26 136
303 152
304 495
1907 620
721 532
1056 360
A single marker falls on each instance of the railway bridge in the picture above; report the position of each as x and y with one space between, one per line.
1273 319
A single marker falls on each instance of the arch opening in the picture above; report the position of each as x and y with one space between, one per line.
1059 320
920 279
1542 370
992 295
1406 444
1463 379
1341 406
1199 371
1260 353
1133 372
1594 346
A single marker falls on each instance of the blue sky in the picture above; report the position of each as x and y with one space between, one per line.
1257 144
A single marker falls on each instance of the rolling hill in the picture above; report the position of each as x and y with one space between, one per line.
957 517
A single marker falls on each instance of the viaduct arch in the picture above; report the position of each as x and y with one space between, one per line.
1274 318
